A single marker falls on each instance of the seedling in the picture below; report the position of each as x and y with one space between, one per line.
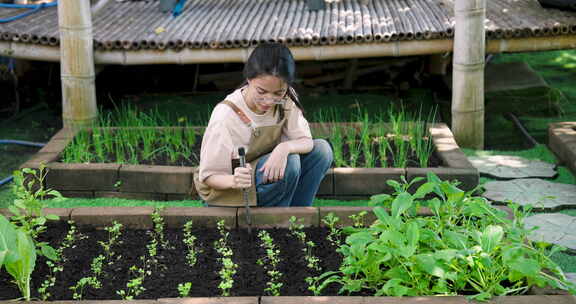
270 263
159 228
297 231
114 233
330 221
134 286
228 267
184 289
56 267
190 242
358 219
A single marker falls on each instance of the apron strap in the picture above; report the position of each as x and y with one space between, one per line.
239 112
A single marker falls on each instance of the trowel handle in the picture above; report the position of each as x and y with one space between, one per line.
242 156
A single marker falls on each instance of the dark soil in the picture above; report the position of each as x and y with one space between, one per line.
171 268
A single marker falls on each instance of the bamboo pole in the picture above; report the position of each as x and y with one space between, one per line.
468 73
77 63
325 52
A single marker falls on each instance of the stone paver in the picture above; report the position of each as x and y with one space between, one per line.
509 166
556 228
539 193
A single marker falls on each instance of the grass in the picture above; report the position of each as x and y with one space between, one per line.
558 68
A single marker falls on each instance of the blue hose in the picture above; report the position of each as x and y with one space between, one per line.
33 8
6 180
21 142
17 142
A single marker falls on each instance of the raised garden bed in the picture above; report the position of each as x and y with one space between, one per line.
562 141
155 182
163 282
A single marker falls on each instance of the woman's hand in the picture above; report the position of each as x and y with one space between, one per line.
276 164
242 177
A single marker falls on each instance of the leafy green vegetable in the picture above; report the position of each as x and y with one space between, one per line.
466 247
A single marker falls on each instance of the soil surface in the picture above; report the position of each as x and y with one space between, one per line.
171 268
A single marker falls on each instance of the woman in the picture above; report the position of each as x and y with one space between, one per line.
284 165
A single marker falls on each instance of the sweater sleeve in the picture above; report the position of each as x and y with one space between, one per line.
217 150
296 125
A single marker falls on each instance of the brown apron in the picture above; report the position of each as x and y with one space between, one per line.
262 141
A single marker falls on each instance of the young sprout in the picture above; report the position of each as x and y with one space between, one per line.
273 259
184 289
330 221
358 219
228 267
190 242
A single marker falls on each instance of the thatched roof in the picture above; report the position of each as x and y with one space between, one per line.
134 25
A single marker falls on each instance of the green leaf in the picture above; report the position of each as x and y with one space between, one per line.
491 238
446 255
14 210
429 264
52 217
527 267
455 239
381 214
398 272
425 189
394 288
401 203
49 252
8 249
21 269
413 233
380 198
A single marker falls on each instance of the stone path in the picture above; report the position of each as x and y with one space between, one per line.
509 166
539 193
556 228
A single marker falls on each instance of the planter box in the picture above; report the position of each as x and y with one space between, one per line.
169 182
562 141
134 217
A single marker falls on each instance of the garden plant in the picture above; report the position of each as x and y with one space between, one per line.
130 137
463 246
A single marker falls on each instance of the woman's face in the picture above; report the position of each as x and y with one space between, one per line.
265 91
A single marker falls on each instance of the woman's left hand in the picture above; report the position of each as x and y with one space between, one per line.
276 164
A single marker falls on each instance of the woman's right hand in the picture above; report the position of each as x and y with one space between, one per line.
242 177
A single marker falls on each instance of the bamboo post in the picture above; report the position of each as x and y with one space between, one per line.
77 63
468 73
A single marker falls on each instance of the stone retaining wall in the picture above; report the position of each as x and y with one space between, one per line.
175 183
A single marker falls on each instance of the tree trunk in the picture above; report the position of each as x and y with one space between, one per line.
468 73
77 63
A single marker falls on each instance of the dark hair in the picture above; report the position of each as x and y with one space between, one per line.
273 59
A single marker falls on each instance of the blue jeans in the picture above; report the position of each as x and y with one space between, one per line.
302 177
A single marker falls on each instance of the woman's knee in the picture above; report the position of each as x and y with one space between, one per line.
293 168
323 150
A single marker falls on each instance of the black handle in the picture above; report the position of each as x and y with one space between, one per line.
242 155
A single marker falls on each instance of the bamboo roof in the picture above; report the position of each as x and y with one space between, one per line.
217 24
